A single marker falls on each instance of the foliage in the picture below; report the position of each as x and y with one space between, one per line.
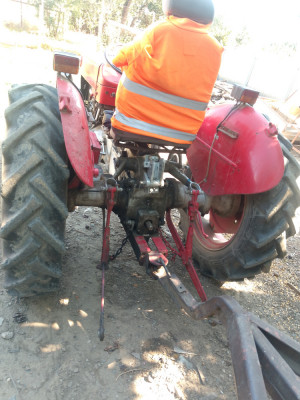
145 13
242 37
220 31
86 15
25 27
96 16
284 48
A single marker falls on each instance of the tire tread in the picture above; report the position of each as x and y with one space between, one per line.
271 221
34 192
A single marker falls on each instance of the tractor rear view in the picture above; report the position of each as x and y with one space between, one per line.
237 196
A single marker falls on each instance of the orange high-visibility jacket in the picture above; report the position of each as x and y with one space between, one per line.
167 81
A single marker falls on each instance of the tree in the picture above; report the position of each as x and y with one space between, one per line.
242 37
83 15
141 14
125 11
220 31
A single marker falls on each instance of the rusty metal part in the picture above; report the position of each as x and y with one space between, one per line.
120 249
96 196
144 209
174 194
87 197
227 205
140 207
142 196
264 359
149 258
174 170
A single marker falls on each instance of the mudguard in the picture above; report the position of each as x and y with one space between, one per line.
76 130
236 151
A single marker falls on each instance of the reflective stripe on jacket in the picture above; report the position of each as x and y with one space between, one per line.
168 77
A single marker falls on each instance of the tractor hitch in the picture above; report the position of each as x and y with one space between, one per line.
264 359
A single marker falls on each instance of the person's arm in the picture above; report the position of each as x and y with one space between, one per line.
123 56
130 52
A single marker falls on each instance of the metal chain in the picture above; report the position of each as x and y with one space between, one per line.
174 252
120 249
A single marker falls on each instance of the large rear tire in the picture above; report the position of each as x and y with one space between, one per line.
265 222
34 191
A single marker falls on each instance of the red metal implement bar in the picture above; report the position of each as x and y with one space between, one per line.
105 254
185 252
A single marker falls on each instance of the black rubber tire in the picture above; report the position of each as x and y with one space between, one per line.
34 191
268 219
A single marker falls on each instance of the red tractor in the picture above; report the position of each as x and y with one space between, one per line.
237 196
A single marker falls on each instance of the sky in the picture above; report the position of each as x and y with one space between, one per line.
266 20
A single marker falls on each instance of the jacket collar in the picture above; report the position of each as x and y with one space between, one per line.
188 24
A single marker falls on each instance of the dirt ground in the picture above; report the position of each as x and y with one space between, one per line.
151 349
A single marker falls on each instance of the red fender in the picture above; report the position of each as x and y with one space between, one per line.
244 157
76 130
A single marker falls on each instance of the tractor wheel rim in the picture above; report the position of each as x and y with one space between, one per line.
216 241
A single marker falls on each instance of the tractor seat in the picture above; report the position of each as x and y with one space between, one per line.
123 136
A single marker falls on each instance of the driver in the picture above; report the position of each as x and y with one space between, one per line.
168 77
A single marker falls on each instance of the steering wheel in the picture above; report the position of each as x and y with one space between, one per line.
111 64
